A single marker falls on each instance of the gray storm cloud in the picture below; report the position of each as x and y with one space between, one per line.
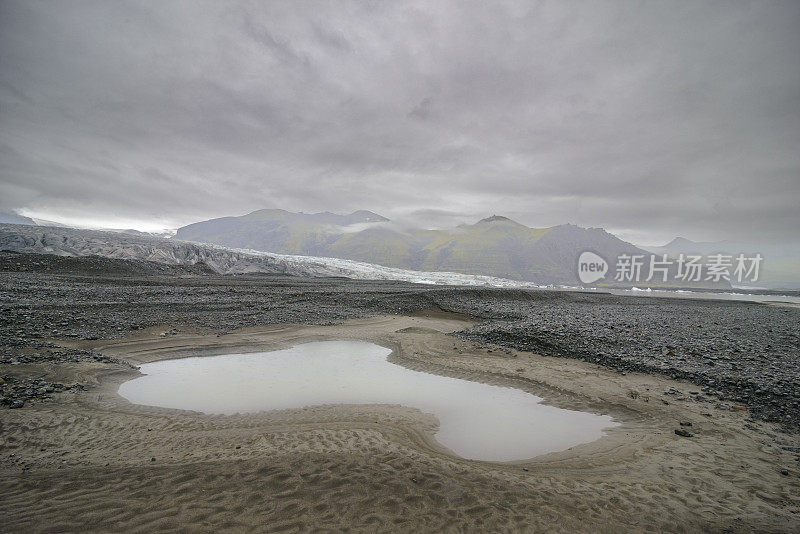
649 119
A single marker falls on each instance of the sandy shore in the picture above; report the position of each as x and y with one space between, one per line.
91 461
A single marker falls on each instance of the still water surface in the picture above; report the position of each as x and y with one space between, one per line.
477 421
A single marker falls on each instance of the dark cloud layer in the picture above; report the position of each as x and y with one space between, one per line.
650 119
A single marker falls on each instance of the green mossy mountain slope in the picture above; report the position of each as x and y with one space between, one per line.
495 246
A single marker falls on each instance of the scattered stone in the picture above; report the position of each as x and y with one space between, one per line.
697 341
683 433
686 423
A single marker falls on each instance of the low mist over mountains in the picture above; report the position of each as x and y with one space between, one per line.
495 246
780 267
75 242
13 218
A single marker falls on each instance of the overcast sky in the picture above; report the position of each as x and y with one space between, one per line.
650 119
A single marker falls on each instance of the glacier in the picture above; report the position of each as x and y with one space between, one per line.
223 260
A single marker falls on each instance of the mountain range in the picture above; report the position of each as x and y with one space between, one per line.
780 268
492 247
12 218
75 242
495 246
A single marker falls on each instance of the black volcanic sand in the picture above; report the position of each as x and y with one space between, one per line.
75 456
745 354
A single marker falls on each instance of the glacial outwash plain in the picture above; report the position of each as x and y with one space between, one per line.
411 267
76 456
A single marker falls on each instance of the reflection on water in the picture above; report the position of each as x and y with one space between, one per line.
477 421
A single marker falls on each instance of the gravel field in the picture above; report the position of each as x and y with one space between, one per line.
746 354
